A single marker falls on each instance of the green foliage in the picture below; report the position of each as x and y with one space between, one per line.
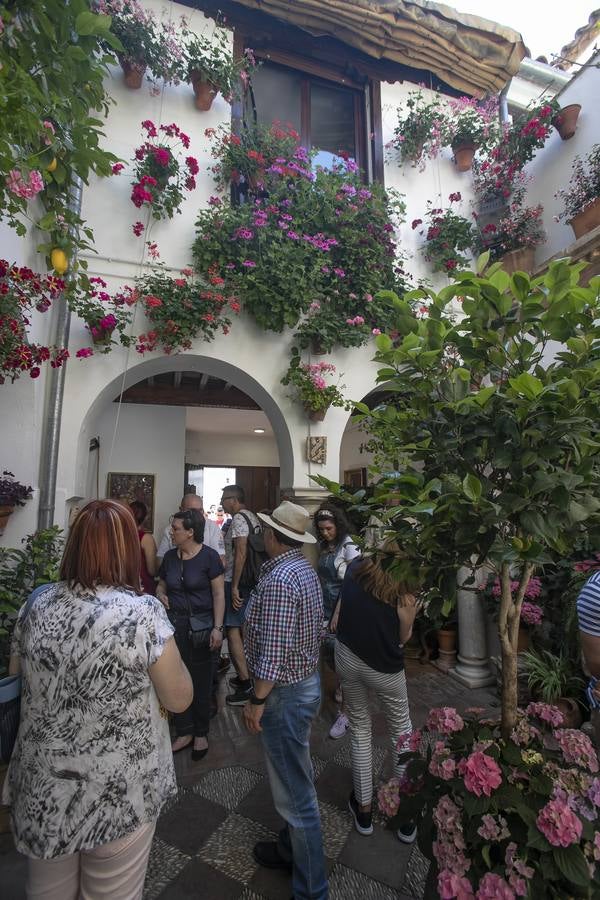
52 101
212 58
551 676
447 236
420 124
21 570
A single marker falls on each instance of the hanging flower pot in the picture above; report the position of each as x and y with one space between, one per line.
316 415
316 347
565 121
521 260
133 72
463 156
205 91
5 514
587 219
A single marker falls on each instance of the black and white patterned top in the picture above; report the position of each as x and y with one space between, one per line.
92 761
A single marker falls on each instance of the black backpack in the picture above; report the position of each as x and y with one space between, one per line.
255 554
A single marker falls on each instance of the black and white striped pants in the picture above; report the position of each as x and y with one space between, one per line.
390 688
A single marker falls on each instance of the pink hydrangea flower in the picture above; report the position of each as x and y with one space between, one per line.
388 797
493 887
492 829
597 846
559 825
445 719
577 748
376 331
482 774
547 713
453 887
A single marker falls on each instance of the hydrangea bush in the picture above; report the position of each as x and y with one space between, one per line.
501 818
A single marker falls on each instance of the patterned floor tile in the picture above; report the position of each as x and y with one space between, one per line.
247 894
164 865
335 826
345 884
318 765
230 848
228 786
416 874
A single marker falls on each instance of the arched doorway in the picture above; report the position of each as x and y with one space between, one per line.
170 411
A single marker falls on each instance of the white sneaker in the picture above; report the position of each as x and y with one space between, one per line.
339 727
407 833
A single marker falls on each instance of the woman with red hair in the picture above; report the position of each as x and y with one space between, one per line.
92 764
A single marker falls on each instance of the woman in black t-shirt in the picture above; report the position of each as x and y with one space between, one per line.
191 584
375 621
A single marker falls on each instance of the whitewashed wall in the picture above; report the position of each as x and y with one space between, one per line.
249 358
206 449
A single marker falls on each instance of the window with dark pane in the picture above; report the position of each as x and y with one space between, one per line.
332 122
277 95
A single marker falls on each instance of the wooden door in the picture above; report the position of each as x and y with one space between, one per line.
261 486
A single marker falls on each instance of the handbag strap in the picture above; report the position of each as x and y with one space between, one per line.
185 596
253 529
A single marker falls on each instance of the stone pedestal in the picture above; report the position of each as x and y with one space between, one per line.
472 668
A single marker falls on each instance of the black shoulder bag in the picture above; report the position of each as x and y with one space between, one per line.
200 625
255 554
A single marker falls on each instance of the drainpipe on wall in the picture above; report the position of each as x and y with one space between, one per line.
503 105
55 387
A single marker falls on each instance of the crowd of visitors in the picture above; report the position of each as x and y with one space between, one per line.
119 659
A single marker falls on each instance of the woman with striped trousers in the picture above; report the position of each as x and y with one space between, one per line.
376 616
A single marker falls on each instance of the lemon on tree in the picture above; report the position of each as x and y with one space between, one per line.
59 260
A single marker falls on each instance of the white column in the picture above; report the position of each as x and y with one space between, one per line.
473 667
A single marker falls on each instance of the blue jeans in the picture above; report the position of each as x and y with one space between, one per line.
286 724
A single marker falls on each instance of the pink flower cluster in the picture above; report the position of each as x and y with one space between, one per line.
531 613
517 871
315 372
450 845
357 320
547 713
577 748
532 591
481 773
388 797
24 187
442 765
492 829
445 720
493 887
454 887
559 825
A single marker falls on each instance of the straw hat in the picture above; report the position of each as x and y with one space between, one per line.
291 520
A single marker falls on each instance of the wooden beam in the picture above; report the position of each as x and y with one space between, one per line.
188 395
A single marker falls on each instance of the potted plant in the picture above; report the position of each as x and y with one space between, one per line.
500 816
513 239
138 32
419 131
565 120
248 157
447 236
470 125
552 679
181 309
310 386
440 614
106 316
581 200
210 67
12 493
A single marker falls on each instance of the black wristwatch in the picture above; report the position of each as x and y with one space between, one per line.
220 628
257 701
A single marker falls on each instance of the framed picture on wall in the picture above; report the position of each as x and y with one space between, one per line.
355 478
128 486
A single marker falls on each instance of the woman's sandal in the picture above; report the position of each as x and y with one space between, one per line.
184 747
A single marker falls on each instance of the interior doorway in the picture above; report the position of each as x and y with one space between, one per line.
260 484
209 482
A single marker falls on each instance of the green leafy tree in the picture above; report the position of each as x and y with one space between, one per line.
51 96
488 444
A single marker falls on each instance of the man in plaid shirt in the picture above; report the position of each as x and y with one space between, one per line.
284 621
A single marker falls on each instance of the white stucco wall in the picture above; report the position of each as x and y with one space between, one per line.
551 167
249 358
230 449
148 440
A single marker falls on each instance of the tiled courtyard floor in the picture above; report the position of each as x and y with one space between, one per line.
203 843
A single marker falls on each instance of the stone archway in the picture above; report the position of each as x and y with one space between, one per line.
190 363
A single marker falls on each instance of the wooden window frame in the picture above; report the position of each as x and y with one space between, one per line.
367 102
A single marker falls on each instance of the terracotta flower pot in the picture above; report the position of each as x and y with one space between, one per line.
523 643
315 415
587 219
204 91
463 156
521 260
572 717
5 514
565 121
316 347
133 73
446 638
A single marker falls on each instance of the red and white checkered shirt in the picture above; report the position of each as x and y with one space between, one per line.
284 620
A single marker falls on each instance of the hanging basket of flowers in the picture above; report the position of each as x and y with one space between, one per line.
565 121
469 125
513 239
210 67
447 236
12 493
310 386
